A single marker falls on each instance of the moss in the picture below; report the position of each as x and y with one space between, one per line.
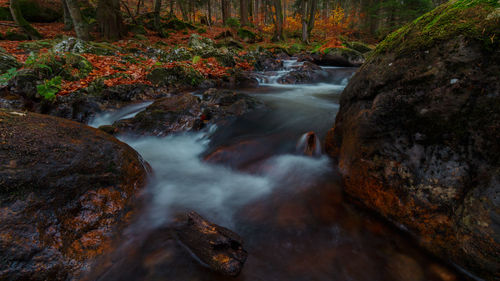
5 14
38 45
14 36
246 35
474 19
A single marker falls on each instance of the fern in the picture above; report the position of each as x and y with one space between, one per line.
50 88
4 78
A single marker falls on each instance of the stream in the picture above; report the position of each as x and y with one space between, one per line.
250 177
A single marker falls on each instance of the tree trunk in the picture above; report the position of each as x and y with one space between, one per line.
157 15
312 14
209 8
110 19
81 28
68 23
244 12
226 12
17 15
303 11
184 10
278 31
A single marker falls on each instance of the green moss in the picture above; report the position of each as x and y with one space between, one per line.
474 19
5 14
246 35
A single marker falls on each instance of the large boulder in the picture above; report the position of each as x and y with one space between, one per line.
65 189
417 133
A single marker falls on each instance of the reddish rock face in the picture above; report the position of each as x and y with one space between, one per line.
416 136
65 189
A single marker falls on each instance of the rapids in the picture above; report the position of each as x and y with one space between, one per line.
250 177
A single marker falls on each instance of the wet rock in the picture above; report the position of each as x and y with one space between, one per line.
186 112
306 73
339 57
218 247
266 61
417 132
64 190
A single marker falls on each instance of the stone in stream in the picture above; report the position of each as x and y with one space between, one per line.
309 144
218 247
186 112
303 74
417 133
65 189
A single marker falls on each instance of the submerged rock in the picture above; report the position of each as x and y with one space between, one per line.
417 132
65 189
218 247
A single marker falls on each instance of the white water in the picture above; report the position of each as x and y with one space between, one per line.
123 113
182 181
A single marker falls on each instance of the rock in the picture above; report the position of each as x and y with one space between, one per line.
14 36
7 62
77 46
359 46
216 246
199 43
185 112
247 35
266 61
416 136
178 54
177 76
65 189
339 57
37 45
306 73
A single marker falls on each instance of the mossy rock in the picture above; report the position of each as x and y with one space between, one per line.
175 76
358 46
76 67
179 54
14 36
177 24
295 49
247 35
69 66
353 57
479 21
38 45
77 46
138 29
34 12
5 14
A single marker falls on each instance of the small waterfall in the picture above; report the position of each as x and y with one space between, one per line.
309 144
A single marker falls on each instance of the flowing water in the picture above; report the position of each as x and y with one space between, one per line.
251 177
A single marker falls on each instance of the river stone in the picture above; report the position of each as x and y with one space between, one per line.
216 246
186 112
65 189
417 133
303 74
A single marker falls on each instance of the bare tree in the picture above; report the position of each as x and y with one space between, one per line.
81 27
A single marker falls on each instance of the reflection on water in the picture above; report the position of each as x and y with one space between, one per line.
288 208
